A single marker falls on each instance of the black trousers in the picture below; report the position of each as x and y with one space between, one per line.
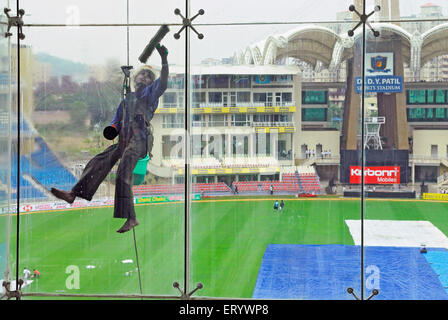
98 168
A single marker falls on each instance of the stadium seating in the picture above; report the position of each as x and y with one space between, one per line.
179 188
210 187
48 171
306 182
25 128
42 167
288 184
309 183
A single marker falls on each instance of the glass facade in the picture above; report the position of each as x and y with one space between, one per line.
287 153
426 97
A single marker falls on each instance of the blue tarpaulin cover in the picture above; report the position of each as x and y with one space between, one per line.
324 272
438 260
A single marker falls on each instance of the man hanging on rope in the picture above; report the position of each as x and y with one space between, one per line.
135 141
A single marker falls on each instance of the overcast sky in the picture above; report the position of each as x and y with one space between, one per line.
94 45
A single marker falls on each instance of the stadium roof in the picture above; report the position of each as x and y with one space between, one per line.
325 49
237 69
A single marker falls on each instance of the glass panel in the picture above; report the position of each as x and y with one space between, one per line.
69 98
403 233
314 97
162 239
314 114
441 96
7 272
241 246
416 114
430 94
418 97
258 133
440 114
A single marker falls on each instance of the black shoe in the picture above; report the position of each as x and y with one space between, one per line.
68 196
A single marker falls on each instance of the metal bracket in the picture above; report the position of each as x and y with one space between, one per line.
187 23
187 296
363 17
15 21
12 294
352 292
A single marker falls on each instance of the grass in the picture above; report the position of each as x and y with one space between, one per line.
228 240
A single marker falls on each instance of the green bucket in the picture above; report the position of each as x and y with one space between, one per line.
140 170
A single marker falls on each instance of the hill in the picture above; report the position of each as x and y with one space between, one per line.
59 66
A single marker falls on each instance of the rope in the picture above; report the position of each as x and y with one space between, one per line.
138 263
133 229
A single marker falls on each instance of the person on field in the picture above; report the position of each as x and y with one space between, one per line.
276 205
26 273
282 205
36 273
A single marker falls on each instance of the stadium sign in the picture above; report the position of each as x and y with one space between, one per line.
50 206
435 196
262 79
170 198
375 175
380 63
388 84
380 74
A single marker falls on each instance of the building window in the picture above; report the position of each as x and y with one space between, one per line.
259 97
169 99
416 114
173 121
217 120
314 97
434 151
240 145
440 96
440 114
240 81
239 120
215 97
176 82
427 114
426 97
243 96
197 98
286 97
220 81
314 114
198 82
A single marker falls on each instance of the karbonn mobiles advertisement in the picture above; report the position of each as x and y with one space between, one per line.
375 175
